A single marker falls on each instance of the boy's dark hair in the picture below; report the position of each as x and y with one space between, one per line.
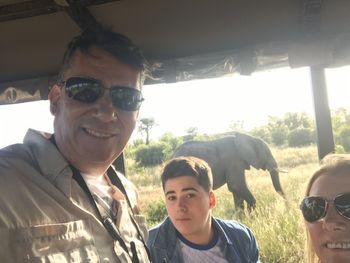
118 45
189 166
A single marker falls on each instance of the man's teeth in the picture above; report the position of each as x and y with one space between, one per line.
338 245
97 134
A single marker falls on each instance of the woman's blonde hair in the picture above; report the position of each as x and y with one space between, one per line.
334 164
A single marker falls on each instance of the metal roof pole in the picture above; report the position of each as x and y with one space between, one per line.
325 139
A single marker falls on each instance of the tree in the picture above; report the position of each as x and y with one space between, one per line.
145 126
296 120
236 126
192 132
341 125
340 117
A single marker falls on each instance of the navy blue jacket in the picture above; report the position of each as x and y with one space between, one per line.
240 245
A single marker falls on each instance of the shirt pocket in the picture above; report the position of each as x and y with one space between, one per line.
63 242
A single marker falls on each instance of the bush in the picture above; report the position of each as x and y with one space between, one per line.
150 155
339 149
344 138
171 143
300 137
156 212
279 135
262 133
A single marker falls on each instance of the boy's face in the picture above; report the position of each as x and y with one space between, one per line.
189 208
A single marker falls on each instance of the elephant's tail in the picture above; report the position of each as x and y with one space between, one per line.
276 181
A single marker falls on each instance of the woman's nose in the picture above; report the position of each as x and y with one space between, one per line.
333 221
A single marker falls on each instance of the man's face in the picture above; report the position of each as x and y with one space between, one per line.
92 135
189 208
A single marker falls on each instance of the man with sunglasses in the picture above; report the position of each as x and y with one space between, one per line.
61 199
326 211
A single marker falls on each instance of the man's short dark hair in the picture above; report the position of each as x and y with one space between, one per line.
118 45
189 166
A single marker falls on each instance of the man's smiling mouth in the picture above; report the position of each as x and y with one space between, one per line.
98 134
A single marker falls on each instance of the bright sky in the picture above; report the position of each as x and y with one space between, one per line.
210 105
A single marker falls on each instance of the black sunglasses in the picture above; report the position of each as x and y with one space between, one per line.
89 90
314 208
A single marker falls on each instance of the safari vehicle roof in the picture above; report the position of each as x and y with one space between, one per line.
182 39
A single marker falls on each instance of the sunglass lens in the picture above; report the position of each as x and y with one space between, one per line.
342 203
313 208
125 98
83 90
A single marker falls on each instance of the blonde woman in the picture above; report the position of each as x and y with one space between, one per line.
326 211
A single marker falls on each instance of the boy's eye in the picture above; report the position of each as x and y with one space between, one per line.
190 195
171 198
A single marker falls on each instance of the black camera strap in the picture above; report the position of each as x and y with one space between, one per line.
113 176
105 217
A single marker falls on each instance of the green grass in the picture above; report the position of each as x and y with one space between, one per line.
276 222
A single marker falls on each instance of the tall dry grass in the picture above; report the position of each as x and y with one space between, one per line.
276 222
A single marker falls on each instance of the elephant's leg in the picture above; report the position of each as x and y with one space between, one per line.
238 200
237 184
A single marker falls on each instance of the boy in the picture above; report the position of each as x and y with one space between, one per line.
190 233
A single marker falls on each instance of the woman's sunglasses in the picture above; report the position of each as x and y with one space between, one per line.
314 208
89 90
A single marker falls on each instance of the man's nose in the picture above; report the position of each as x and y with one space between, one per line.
105 110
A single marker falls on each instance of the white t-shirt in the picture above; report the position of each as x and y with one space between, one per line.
100 190
211 252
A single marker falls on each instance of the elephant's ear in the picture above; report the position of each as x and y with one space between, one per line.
252 150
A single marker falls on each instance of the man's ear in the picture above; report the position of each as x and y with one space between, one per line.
212 199
54 97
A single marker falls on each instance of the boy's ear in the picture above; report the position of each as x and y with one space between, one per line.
54 96
212 199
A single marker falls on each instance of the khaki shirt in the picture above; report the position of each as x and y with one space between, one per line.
45 216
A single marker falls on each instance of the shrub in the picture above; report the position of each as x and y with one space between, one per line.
339 149
300 137
262 133
150 155
344 138
170 144
156 212
279 135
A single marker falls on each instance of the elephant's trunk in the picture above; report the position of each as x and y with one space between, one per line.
276 181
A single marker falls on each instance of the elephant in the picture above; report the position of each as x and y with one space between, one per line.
229 157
